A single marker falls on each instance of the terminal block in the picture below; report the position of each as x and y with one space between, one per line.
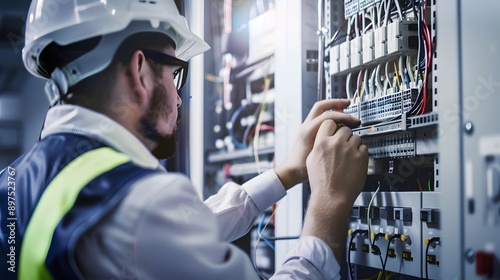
351 8
363 4
383 108
399 144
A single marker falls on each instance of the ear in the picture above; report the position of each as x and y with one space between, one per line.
141 80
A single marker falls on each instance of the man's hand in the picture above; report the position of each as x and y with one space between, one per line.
337 167
293 170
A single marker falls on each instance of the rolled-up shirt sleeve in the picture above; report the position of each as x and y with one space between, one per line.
310 259
236 207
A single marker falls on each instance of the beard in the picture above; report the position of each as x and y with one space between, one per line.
166 145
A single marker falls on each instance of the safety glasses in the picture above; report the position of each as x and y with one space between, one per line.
180 74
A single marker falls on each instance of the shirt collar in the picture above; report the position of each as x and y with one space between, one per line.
78 120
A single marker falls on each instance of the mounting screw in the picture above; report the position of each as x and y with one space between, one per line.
469 128
470 255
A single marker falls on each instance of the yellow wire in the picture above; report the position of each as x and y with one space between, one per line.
373 277
259 122
389 276
397 75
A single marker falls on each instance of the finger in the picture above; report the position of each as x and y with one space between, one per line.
325 105
363 148
355 140
327 128
338 118
341 118
343 134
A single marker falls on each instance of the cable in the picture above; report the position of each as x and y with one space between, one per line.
376 249
358 84
335 35
408 65
398 7
428 53
373 90
397 75
380 88
432 240
401 70
366 84
387 81
233 120
387 12
353 235
259 230
349 255
348 86
387 252
368 213
267 82
419 30
256 137
257 244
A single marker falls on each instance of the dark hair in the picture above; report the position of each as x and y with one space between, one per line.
94 91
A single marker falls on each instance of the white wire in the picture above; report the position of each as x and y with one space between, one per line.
402 72
373 16
387 12
363 16
366 90
349 23
399 9
380 88
379 15
387 79
348 86
356 27
409 68
358 80
368 213
373 90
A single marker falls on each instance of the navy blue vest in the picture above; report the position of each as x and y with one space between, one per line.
34 171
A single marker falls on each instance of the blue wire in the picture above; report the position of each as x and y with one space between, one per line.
235 115
259 231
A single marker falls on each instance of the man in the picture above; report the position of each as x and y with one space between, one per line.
92 200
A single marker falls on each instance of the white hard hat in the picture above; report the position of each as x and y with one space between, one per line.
69 21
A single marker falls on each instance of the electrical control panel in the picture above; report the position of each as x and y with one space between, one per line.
382 57
430 206
431 202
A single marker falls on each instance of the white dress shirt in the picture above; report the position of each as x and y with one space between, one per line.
162 230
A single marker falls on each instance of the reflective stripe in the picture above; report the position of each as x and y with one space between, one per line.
56 201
